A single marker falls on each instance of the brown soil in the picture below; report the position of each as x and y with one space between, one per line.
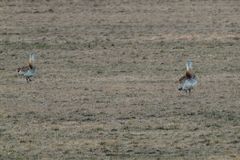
106 79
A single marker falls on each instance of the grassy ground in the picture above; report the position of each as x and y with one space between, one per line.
105 87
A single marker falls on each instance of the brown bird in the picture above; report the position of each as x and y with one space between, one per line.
189 80
29 70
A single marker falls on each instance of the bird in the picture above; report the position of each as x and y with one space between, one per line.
189 80
29 70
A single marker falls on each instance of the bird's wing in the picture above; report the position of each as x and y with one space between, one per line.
189 84
29 73
183 78
23 69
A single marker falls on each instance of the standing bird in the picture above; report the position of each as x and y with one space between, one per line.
189 80
29 70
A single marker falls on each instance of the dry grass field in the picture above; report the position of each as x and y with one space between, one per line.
106 79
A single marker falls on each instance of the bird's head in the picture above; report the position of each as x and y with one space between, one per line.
18 69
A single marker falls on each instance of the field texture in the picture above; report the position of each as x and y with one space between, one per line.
106 79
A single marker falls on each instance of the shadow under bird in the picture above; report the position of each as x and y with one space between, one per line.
189 80
29 70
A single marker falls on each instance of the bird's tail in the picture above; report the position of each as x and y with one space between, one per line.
189 65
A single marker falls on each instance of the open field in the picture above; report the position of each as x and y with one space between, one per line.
105 87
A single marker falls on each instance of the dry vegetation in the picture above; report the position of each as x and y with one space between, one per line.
105 87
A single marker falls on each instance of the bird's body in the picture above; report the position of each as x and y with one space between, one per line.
29 70
189 80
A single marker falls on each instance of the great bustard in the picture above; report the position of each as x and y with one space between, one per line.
29 70
189 80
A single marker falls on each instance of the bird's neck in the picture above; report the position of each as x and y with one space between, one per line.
30 66
188 74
